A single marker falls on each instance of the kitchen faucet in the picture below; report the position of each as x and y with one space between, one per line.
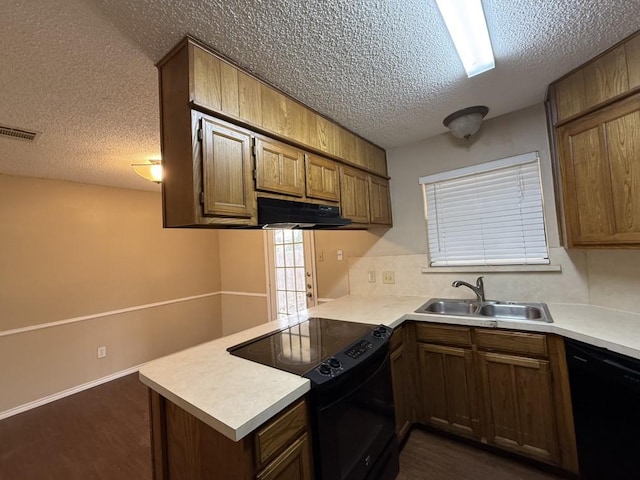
478 289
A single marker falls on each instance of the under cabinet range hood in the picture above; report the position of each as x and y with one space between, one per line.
285 214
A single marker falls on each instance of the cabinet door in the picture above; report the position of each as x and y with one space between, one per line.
226 170
401 378
279 168
354 195
448 389
601 175
379 201
519 410
322 178
293 464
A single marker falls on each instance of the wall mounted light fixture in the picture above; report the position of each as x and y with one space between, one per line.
465 122
150 170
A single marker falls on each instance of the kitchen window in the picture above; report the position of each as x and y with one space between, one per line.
488 214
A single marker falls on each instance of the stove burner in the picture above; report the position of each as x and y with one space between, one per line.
304 346
308 356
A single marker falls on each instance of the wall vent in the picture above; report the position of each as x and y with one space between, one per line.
17 133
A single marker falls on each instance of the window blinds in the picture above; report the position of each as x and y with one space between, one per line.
489 214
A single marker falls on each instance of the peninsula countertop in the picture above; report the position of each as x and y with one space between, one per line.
235 396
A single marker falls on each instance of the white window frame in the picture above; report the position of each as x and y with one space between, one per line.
476 169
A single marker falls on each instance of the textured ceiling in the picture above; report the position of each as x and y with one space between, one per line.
82 71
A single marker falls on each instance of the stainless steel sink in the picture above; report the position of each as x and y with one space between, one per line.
450 307
489 309
515 311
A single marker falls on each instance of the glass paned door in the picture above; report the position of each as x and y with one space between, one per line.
292 274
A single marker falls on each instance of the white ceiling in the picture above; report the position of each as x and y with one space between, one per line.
82 71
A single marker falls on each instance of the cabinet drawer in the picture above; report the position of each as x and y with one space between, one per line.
280 432
512 342
449 335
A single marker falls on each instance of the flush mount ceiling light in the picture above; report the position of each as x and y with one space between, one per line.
468 29
465 122
150 170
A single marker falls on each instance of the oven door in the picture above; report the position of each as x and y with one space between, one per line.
353 424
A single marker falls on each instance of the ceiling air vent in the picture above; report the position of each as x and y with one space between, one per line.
17 133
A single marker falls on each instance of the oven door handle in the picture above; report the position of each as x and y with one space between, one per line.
383 364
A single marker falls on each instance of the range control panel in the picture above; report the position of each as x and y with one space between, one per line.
358 349
351 357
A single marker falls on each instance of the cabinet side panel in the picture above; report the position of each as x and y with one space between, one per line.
562 404
176 146
195 451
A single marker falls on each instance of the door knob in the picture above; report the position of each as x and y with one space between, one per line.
309 295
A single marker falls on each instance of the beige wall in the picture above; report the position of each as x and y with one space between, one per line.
243 279
601 277
504 136
70 250
333 274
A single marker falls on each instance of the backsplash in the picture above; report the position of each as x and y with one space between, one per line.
606 278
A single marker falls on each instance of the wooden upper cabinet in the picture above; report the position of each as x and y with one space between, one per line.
218 86
279 168
519 410
226 169
612 74
379 201
601 175
322 178
632 51
354 195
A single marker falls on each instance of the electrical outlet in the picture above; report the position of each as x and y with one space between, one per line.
340 255
102 351
388 277
372 276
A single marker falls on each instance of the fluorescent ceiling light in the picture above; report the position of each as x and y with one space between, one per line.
468 29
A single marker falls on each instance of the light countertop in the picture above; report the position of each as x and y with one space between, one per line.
235 396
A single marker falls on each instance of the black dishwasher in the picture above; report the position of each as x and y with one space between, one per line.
605 393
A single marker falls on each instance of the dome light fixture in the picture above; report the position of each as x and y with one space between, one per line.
465 122
150 170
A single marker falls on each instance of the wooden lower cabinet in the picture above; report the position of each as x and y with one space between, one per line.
293 464
519 410
504 388
402 383
185 448
448 389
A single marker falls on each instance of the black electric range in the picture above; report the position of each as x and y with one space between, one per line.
351 398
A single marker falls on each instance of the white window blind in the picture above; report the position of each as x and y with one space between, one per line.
489 214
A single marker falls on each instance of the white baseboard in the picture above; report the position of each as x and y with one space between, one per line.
66 393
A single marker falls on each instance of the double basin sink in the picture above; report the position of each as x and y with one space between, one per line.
487 310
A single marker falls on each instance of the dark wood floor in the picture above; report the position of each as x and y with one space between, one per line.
426 456
103 434
99 434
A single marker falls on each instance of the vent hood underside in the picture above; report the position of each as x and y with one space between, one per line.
285 214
